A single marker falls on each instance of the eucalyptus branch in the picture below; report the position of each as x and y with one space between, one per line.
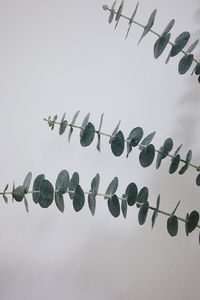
117 141
163 39
44 193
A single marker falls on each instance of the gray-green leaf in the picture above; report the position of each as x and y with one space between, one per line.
117 144
88 134
114 206
112 188
78 198
161 44
185 63
147 155
149 24
46 194
143 211
62 182
36 187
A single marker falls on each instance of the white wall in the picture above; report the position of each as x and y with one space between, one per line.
62 56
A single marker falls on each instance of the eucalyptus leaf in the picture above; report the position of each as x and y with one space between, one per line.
177 150
18 193
185 63
36 187
198 180
74 182
174 164
147 155
114 206
4 196
112 188
135 136
167 147
78 198
118 14
142 196
88 134
187 162
84 124
161 44
27 182
59 201
149 24
115 131
117 144
168 27
131 194
131 20
172 225
155 213
186 224
95 184
192 46
46 194
72 124
180 43
197 69
92 202
99 134
112 13
147 140
26 204
124 208
159 157
193 220
63 126
143 211
62 182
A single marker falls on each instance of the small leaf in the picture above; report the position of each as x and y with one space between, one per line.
63 126
159 157
27 182
142 196
177 150
149 24
172 225
78 199
117 144
114 133
198 180
18 193
36 187
131 20
147 140
193 220
161 44
143 211
62 182
95 184
147 156
155 213
118 14
174 164
46 194
99 134
124 208
87 136
167 147
192 46
112 13
114 206
168 27
186 224
74 182
59 201
197 69
112 188
187 162
135 136
131 194
185 63
72 124
26 204
92 203
180 43
84 124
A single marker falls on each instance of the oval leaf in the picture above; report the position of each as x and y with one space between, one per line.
59 201
167 147
111 189
131 193
92 203
147 140
161 44
95 184
124 208
74 182
168 27
143 211
193 220
46 194
149 24
78 199
185 63
135 136
180 43
63 126
117 144
87 136
36 187
62 182
18 193
172 225
114 207
198 180
147 156
174 164
27 182
142 196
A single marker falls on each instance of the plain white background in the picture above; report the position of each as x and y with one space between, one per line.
63 56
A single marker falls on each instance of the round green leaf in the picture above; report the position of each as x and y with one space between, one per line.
168 27
111 189
142 196
92 202
131 193
185 63
187 162
27 182
147 140
174 164
63 126
46 194
167 147
172 225
59 201
193 220
78 199
114 206
143 211
95 184
36 187
124 208
147 156
135 136
62 182
161 44
198 180
18 193
197 69
74 181
180 43
117 144
88 135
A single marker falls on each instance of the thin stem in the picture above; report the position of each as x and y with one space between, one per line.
108 196
127 141
105 7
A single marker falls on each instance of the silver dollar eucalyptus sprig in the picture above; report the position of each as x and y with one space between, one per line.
45 194
117 140
163 39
